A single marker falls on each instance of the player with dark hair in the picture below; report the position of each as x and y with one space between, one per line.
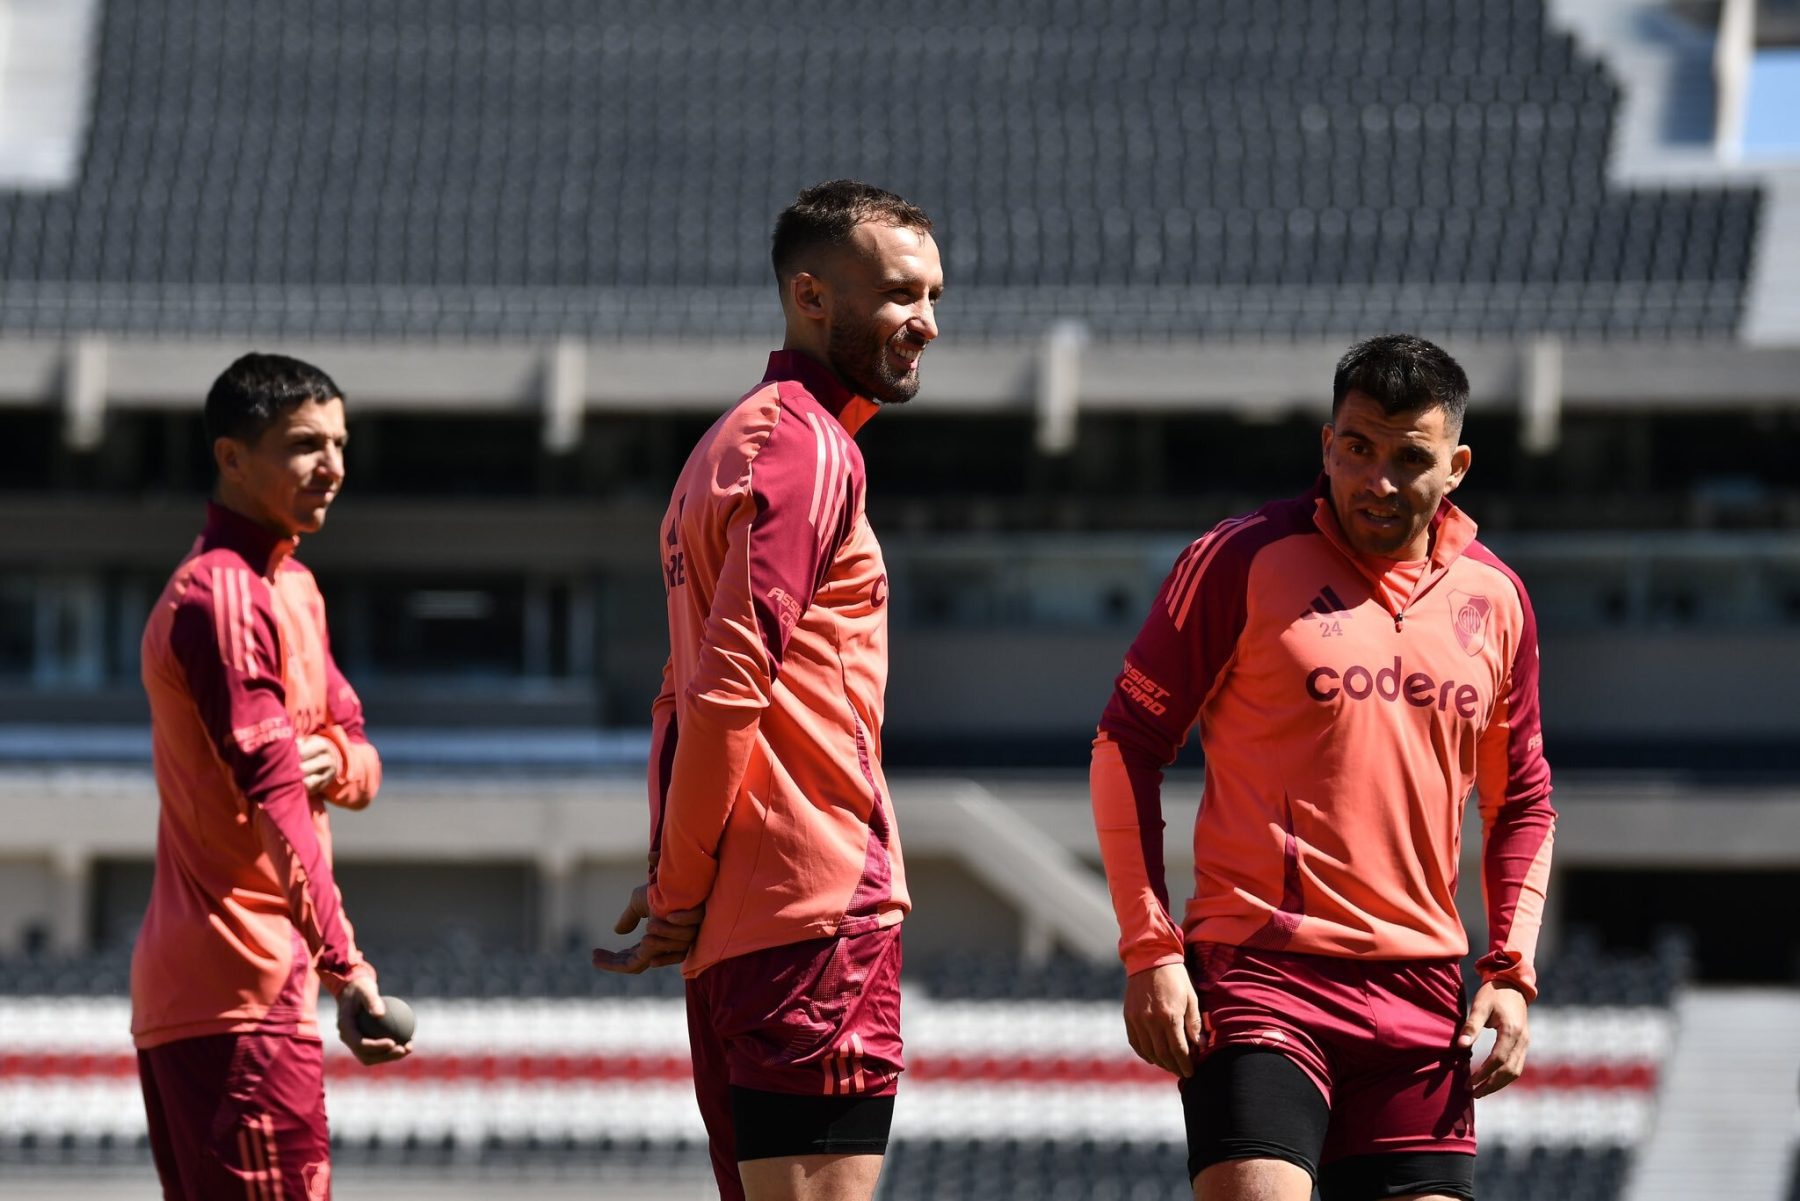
253 731
1358 665
775 870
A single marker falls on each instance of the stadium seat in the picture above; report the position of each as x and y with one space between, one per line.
558 167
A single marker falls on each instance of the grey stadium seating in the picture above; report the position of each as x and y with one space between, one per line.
1601 1045
506 168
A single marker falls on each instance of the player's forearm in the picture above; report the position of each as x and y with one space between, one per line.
1516 854
1129 827
284 825
707 774
359 771
664 740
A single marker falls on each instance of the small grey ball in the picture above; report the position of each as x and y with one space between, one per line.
397 1023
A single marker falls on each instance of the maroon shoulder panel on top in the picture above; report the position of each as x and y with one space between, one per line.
804 482
226 641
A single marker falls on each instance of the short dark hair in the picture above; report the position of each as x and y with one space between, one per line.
252 393
1403 374
826 214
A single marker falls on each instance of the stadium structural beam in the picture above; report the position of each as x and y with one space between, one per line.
72 871
1732 53
84 393
1540 397
558 906
565 390
1058 393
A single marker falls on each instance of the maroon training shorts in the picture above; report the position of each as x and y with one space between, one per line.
819 1018
238 1117
1378 1038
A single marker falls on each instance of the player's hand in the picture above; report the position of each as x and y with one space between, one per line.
319 763
1162 1018
665 940
1501 1007
361 993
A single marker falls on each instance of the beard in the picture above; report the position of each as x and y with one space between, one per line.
859 356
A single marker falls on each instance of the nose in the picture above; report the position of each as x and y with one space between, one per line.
924 320
331 463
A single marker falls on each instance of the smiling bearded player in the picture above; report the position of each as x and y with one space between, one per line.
775 870
1357 665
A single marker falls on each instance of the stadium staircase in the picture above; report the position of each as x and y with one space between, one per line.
1725 1125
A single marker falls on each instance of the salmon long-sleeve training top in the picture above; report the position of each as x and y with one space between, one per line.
767 801
1346 709
244 916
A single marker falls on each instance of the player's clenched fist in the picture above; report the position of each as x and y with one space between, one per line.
1162 1018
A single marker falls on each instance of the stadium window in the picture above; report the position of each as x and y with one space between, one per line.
18 626
52 630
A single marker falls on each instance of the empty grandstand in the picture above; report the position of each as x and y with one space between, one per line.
1019 1086
555 168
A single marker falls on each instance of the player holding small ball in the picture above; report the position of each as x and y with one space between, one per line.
254 732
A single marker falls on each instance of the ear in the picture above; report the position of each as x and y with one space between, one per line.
809 295
1325 434
228 457
1460 458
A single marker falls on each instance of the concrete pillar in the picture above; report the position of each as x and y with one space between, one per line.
556 901
71 912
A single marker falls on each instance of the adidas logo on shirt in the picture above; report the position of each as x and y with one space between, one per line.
1327 604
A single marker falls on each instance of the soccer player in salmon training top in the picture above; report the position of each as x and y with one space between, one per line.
253 732
775 874
1357 664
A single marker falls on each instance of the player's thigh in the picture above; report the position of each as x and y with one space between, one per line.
1252 1105
1253 1180
810 1177
1405 1131
788 1127
270 1136
241 1113
165 1145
